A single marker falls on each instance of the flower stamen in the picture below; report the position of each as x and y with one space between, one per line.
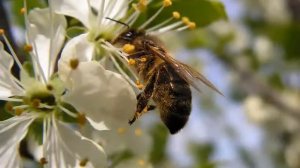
2 32
74 62
138 132
83 162
167 3
141 162
43 161
23 11
28 48
49 87
35 103
19 111
176 15
9 107
121 130
140 6
81 119
72 114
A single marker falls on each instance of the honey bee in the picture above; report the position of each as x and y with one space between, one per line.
167 81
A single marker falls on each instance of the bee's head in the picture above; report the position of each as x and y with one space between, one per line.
128 36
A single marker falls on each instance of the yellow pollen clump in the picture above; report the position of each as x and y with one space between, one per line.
74 62
43 161
2 32
141 162
176 15
167 3
138 132
9 107
18 111
131 61
22 11
28 48
139 85
143 59
185 20
128 48
191 25
83 162
121 130
36 103
81 119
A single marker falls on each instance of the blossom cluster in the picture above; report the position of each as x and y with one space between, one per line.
73 99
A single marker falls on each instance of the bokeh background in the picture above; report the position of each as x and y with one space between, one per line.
253 57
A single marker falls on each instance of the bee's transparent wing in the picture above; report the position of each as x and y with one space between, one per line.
194 78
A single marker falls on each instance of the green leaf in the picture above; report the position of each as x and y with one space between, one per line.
202 12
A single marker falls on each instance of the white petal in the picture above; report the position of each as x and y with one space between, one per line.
102 95
77 48
47 33
74 8
131 138
136 162
12 131
115 9
7 86
98 125
72 147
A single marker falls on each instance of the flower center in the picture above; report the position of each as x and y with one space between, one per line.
44 98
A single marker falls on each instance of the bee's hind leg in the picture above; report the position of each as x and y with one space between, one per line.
143 99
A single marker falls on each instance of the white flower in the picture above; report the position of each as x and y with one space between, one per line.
36 100
115 99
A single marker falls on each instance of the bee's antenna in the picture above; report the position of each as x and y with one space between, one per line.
118 22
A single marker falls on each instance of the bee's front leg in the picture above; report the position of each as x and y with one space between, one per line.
143 99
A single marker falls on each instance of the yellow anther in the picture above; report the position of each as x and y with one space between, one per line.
131 61
28 48
83 162
43 161
176 15
2 32
22 11
128 48
139 85
185 20
167 3
140 6
191 25
121 130
138 132
18 111
81 119
141 162
36 103
143 2
74 62
143 59
9 107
